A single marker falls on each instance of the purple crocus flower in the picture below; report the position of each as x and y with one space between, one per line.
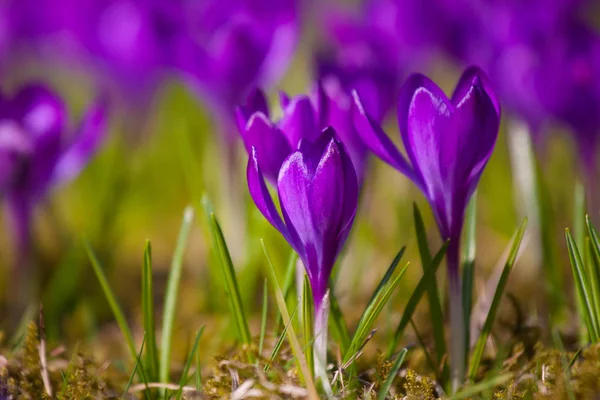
448 142
303 118
234 47
38 150
318 195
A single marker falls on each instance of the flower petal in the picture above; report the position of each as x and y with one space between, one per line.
377 140
269 143
261 196
255 102
89 136
424 117
299 121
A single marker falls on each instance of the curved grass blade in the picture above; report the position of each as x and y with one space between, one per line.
231 284
594 265
307 322
435 305
583 289
392 375
487 326
379 298
293 339
415 297
112 301
148 315
171 294
188 363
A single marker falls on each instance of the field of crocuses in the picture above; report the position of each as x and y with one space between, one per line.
376 199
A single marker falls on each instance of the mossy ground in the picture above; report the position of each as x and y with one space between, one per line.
525 371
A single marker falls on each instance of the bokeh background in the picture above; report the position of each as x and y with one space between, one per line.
174 70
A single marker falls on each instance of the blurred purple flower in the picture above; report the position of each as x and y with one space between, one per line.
234 47
448 143
303 118
127 44
359 56
318 195
38 150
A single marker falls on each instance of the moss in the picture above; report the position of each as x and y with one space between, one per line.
418 387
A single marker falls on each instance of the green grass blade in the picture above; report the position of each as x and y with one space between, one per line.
279 342
263 318
337 323
198 372
288 284
135 369
475 389
293 339
231 283
565 365
582 286
378 300
170 303
595 264
307 322
148 314
112 301
435 305
435 368
487 326
392 375
415 297
188 363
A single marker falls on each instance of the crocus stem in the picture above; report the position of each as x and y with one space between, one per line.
457 319
320 343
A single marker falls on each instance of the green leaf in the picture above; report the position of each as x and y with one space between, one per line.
307 322
415 297
188 363
487 326
170 303
385 388
380 297
293 339
148 314
112 301
231 283
263 318
435 305
583 289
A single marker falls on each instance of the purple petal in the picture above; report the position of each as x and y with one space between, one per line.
269 143
376 139
335 110
15 148
88 138
318 195
424 116
261 196
255 102
299 121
